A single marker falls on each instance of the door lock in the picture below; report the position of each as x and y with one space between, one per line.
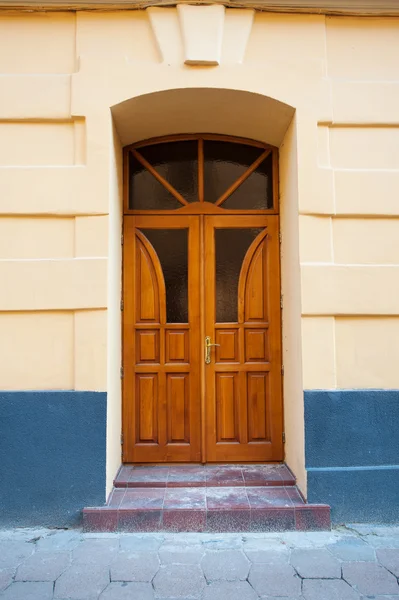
208 346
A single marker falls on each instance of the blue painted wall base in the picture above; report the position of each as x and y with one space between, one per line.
52 456
352 453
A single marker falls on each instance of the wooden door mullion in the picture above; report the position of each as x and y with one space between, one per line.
200 170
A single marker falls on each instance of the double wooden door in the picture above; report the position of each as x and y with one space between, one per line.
202 337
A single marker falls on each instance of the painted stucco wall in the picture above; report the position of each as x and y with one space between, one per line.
76 87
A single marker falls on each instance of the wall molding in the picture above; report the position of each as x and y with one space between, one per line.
380 8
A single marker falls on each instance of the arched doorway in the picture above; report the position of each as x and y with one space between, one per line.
201 288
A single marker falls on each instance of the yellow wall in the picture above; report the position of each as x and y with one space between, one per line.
76 87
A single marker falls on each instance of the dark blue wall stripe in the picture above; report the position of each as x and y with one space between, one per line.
347 428
52 456
357 495
352 453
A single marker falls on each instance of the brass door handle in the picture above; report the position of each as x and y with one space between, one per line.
208 346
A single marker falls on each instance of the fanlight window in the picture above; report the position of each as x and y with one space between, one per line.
175 174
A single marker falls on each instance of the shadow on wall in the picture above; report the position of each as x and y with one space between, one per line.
202 110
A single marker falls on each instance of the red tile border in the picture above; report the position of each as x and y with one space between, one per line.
312 517
184 520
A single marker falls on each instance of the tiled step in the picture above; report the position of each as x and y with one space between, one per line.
204 476
207 508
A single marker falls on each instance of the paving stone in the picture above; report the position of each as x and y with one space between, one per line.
228 541
43 567
373 529
59 541
352 549
12 553
282 598
229 565
381 597
179 582
317 563
82 582
229 590
267 556
181 554
28 591
139 543
383 542
266 541
96 552
6 576
297 539
389 559
128 591
328 589
321 538
135 566
275 579
369 578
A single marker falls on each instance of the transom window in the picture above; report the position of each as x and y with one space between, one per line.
227 175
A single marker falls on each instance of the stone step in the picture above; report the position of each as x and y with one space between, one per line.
156 476
207 509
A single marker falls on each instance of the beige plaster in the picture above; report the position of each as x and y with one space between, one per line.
366 192
37 43
53 284
366 241
291 38
114 346
350 290
37 144
315 239
124 34
28 238
365 102
364 147
90 350
318 352
291 313
367 352
36 351
35 97
91 236
363 49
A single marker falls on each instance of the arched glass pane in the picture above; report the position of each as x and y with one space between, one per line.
256 192
224 163
145 192
171 246
231 246
177 162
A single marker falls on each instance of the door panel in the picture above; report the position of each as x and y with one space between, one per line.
243 403
162 396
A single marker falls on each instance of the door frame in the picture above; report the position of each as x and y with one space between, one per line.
195 210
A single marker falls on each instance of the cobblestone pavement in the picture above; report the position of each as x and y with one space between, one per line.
356 562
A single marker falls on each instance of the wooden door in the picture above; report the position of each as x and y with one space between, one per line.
242 317
201 259
162 396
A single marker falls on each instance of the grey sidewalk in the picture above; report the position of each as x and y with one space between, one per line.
349 563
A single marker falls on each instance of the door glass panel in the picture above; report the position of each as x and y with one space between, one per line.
171 246
177 162
226 162
231 246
